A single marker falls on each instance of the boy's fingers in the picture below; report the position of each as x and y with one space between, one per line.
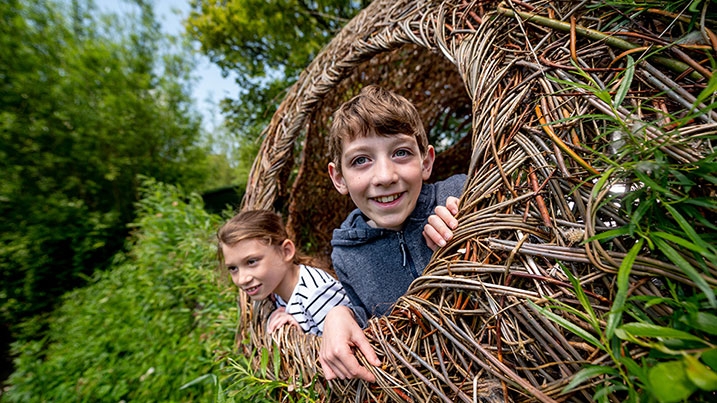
433 238
365 374
328 372
367 350
446 216
452 204
342 366
440 223
331 367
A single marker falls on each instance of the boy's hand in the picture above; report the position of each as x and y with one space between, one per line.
341 332
440 226
279 318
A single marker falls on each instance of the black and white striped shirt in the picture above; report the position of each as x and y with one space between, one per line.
313 297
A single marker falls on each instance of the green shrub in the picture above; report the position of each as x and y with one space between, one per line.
152 323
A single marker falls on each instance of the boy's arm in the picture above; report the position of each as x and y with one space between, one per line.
341 333
324 298
440 226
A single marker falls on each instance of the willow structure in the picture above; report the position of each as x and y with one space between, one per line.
533 100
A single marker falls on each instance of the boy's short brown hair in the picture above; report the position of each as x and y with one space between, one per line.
374 110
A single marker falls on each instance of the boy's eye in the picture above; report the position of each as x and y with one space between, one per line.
252 262
359 161
402 153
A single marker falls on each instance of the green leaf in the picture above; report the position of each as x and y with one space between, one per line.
577 330
687 227
700 374
264 361
703 321
623 285
710 358
711 87
600 184
687 268
669 382
200 379
588 373
584 301
609 234
277 361
649 330
634 369
651 183
624 87
642 209
682 242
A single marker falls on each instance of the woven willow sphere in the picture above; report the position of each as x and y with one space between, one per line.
506 86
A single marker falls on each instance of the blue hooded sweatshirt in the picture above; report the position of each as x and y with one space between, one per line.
376 265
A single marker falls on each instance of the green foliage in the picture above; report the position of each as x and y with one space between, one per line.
258 39
265 45
247 384
671 213
152 323
87 104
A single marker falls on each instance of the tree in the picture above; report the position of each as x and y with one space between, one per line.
266 44
86 105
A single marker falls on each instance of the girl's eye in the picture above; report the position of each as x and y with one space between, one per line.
359 161
232 269
251 262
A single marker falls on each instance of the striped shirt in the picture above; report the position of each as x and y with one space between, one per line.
313 297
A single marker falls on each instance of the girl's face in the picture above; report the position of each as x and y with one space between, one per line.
261 269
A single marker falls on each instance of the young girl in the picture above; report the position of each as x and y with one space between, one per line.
264 262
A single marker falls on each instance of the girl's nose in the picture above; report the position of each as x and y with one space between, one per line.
245 278
242 278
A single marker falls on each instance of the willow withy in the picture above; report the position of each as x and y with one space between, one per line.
589 210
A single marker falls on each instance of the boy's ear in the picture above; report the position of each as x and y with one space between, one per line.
338 179
427 165
288 249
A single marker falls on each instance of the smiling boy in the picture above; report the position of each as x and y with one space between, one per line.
380 158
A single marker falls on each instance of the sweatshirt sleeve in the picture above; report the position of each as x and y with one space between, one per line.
452 186
360 313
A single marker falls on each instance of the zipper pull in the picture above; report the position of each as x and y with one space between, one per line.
404 252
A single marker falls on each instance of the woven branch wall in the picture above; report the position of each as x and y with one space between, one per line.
506 73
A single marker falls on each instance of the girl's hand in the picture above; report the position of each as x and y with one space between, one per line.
279 318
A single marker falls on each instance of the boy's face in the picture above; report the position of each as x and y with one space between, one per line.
384 176
261 269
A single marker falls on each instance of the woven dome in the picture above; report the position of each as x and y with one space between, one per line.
503 89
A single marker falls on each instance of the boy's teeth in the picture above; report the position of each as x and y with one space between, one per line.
387 199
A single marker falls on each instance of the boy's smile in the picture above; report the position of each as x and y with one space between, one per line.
384 176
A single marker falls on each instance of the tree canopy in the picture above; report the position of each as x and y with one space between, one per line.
266 45
87 104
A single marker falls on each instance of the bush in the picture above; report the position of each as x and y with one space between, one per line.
152 323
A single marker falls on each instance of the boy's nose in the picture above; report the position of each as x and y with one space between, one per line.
384 173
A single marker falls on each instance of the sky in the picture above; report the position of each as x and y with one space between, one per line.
211 87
